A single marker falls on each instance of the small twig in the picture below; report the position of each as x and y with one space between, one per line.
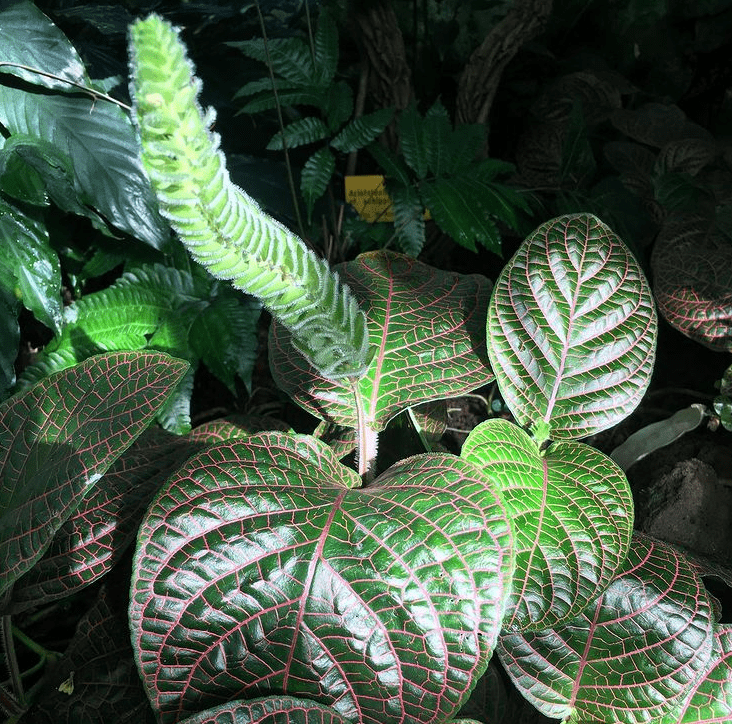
94 93
11 660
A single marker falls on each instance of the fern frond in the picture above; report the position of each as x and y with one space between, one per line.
223 227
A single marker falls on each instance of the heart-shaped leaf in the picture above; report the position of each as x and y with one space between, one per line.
427 327
260 570
692 272
629 658
268 710
572 328
93 539
572 511
59 437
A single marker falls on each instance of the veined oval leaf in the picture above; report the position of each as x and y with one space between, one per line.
572 329
632 656
95 537
268 710
692 280
427 326
710 700
261 569
60 436
572 510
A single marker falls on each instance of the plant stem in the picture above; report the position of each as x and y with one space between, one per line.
80 86
11 660
367 439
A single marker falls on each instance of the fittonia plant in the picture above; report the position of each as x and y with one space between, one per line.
270 581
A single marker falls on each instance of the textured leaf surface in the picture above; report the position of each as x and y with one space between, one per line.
572 328
630 657
260 569
269 710
711 699
29 38
692 281
573 514
60 436
99 664
427 327
362 130
225 229
93 539
99 138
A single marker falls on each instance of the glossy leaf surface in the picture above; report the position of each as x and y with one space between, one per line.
98 137
60 436
269 710
692 268
29 39
573 514
260 569
632 656
427 327
572 328
93 539
711 698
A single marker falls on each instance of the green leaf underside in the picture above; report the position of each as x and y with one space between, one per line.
269 710
99 138
573 328
261 569
224 228
632 656
572 511
428 328
60 436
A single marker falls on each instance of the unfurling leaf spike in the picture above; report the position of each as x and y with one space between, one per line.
225 229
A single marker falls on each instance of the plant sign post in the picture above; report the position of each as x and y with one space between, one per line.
271 582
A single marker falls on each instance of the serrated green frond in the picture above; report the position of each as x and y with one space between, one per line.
361 131
315 176
408 219
290 58
263 85
223 227
411 137
299 133
326 48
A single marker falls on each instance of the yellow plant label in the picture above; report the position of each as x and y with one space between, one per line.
367 194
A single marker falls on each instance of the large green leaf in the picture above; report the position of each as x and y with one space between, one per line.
29 39
268 710
299 133
260 568
630 658
95 537
315 177
710 700
573 514
99 138
362 130
59 437
29 267
573 329
457 206
428 329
